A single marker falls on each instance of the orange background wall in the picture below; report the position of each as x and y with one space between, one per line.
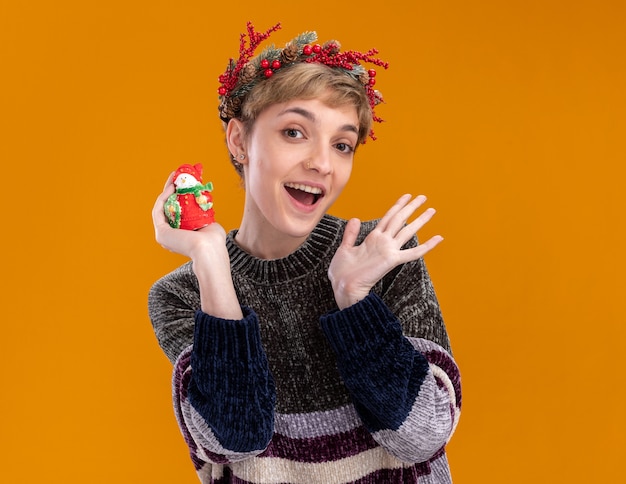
510 116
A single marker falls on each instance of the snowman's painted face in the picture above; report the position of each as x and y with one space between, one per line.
185 180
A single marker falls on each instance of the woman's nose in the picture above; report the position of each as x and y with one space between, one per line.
320 161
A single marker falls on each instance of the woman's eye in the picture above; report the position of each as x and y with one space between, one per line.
344 148
293 133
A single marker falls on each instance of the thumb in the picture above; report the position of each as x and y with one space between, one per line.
351 232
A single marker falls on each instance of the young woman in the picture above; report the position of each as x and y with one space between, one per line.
306 348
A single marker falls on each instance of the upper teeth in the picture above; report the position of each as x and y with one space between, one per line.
304 188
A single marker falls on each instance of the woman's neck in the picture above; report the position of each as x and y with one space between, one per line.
264 242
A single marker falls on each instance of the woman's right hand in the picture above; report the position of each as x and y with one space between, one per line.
206 247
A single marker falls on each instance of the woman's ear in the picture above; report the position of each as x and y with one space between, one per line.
235 139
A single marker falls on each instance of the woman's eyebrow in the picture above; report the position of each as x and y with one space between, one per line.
301 111
311 117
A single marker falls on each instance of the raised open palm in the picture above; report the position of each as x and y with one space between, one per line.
356 268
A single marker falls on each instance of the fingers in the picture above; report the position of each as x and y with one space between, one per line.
159 220
397 216
398 222
407 231
395 220
401 202
157 210
351 232
394 223
422 249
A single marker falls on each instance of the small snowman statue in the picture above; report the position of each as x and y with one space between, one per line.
191 205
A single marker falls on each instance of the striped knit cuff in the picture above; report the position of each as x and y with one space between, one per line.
223 348
231 386
227 339
379 366
362 326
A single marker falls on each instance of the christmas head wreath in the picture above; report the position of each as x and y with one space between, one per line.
243 74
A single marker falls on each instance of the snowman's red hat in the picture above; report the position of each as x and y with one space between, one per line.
193 170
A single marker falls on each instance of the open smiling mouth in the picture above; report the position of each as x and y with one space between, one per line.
304 194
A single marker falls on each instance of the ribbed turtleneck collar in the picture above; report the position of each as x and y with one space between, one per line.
303 260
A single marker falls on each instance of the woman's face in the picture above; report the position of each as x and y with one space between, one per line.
299 158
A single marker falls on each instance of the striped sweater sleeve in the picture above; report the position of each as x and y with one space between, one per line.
224 394
406 390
